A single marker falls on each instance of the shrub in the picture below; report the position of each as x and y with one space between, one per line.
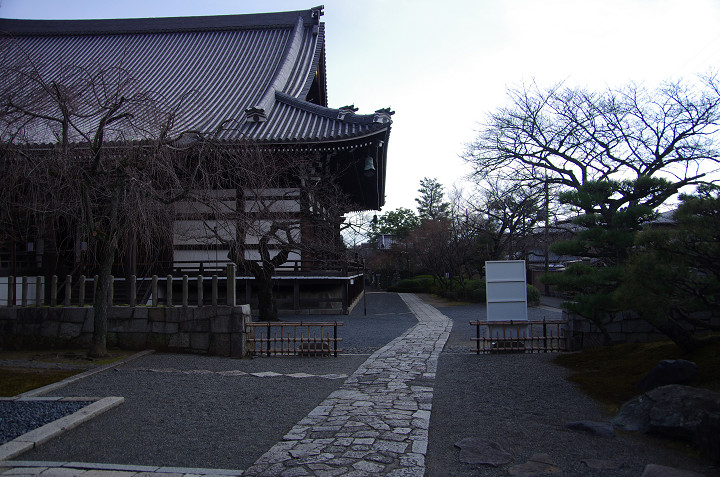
418 284
533 295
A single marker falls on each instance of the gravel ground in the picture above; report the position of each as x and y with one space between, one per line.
523 402
19 417
204 419
209 420
385 311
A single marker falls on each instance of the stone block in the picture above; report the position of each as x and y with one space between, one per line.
139 326
49 329
69 331
199 341
33 315
220 324
119 325
172 328
157 341
70 315
238 345
8 313
157 314
179 341
89 324
220 344
132 340
157 326
140 312
195 326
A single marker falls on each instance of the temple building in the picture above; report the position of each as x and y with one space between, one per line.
253 80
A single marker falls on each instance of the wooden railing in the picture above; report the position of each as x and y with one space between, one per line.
520 336
284 338
152 291
289 268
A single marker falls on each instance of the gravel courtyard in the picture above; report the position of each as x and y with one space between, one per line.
198 411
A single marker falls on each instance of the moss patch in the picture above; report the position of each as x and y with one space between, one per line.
22 371
610 374
14 381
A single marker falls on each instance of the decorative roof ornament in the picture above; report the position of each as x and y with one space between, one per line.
255 115
345 110
383 116
317 12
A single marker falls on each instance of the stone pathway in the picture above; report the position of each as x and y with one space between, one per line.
377 422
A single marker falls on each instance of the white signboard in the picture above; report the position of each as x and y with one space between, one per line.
506 290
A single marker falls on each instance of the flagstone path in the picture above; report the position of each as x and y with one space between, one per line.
378 421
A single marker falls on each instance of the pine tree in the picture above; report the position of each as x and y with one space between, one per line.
430 203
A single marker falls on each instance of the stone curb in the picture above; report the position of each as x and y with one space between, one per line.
42 434
139 469
78 377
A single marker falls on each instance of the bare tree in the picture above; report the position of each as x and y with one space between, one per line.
85 161
512 212
570 137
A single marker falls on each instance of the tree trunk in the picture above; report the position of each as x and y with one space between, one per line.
679 335
102 299
266 299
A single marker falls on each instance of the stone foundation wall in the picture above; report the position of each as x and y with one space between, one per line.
215 330
626 328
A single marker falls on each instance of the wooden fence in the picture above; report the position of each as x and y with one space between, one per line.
293 338
520 337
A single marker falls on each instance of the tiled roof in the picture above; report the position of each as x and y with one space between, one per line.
237 76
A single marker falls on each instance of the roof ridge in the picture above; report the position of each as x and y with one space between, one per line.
22 27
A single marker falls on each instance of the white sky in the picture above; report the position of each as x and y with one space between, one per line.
442 66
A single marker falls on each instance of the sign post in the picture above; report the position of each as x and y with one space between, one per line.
506 293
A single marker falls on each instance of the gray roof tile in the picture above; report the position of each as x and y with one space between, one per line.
218 67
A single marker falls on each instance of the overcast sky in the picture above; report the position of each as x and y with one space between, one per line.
443 65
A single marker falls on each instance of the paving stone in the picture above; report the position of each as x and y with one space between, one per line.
539 464
368 466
